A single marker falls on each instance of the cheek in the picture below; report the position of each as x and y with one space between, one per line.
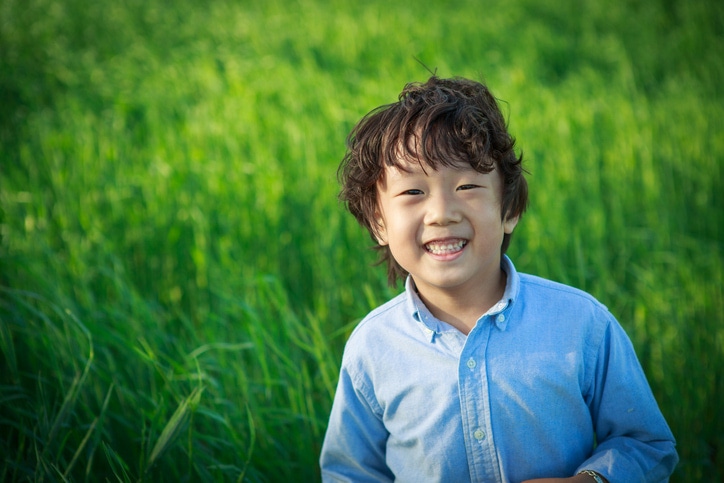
400 229
491 226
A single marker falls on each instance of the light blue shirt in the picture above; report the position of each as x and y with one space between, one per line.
546 384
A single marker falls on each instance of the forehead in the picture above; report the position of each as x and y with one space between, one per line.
418 152
406 167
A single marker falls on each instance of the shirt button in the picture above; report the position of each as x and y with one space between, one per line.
501 318
479 434
471 363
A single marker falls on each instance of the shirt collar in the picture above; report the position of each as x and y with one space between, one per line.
432 326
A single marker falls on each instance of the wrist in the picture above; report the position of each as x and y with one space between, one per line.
594 476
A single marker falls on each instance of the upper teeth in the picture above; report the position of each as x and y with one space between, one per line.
441 248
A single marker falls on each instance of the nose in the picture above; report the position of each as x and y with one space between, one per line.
442 210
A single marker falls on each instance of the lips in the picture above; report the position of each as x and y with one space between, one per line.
447 246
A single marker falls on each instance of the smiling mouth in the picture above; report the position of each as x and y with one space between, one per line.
445 247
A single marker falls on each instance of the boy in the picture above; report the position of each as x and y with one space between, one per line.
475 372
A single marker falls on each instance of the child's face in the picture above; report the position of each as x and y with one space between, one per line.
443 226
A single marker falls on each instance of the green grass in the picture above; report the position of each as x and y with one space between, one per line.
177 279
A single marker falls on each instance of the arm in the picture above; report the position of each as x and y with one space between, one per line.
579 478
634 441
354 445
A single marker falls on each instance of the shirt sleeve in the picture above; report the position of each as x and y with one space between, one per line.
354 445
634 443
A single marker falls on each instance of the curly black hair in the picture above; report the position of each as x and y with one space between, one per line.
442 122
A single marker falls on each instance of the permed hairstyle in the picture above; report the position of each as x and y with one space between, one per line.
442 122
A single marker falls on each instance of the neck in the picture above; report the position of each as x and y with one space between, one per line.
463 309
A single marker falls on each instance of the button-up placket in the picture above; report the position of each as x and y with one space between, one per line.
475 396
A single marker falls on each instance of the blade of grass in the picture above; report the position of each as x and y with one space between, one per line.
252 442
87 436
176 424
117 464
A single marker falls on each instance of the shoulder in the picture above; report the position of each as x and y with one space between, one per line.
381 317
382 329
563 311
548 292
569 319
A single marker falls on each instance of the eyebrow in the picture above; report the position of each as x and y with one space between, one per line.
422 167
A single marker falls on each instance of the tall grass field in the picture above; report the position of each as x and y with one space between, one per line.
178 279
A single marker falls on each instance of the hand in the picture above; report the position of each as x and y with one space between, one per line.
572 479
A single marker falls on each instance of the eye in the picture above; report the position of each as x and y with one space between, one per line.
464 187
412 192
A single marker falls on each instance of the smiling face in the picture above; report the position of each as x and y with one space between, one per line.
445 228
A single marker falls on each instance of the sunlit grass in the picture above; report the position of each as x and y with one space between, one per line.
177 278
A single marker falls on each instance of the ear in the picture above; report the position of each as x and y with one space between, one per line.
380 230
510 223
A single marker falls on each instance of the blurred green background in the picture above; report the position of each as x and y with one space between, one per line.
177 278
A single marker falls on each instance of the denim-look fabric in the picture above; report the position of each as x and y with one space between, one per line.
546 384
